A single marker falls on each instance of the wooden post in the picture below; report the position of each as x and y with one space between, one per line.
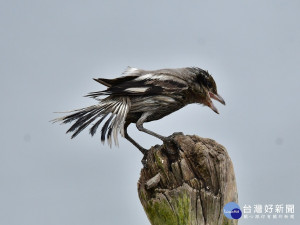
187 182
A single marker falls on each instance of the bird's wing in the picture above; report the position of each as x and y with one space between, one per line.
129 74
147 83
116 107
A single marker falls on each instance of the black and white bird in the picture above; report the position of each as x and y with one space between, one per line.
141 96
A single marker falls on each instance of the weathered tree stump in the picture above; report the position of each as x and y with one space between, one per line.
188 182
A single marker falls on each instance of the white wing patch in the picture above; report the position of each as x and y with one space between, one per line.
137 89
147 76
130 71
150 76
165 99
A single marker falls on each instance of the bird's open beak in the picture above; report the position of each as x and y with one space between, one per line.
217 97
213 107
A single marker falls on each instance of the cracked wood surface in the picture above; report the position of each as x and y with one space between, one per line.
187 184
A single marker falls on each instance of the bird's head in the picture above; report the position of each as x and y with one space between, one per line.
209 86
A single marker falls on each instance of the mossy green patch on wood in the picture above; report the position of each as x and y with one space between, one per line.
160 212
183 208
142 196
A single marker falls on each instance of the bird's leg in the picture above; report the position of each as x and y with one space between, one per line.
143 150
170 144
140 127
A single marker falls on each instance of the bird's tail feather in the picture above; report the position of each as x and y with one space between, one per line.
117 108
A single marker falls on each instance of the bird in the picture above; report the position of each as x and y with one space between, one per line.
139 96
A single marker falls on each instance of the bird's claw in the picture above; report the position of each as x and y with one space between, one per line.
171 146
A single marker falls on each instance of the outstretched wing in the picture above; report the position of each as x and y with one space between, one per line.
129 74
142 83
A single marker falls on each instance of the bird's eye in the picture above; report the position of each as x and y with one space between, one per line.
209 84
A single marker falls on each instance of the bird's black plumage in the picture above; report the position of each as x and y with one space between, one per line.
141 96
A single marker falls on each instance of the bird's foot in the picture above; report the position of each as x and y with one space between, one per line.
171 146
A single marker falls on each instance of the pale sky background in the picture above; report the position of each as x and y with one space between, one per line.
51 50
